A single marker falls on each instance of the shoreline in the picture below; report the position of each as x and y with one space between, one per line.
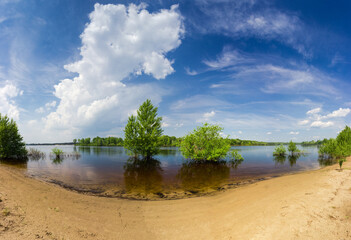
313 204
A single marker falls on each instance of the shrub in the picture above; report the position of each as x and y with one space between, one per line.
205 143
279 150
35 154
58 152
292 148
339 147
11 142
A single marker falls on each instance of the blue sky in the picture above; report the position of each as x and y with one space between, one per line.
263 70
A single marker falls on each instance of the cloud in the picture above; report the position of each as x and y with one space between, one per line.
227 58
118 42
294 133
341 112
198 101
50 105
270 75
258 19
303 122
8 105
269 133
313 111
209 114
322 124
190 72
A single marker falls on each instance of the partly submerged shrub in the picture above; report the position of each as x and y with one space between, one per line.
279 150
58 152
35 154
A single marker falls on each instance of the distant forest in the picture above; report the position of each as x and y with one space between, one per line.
166 141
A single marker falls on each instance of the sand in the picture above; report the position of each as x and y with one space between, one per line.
309 205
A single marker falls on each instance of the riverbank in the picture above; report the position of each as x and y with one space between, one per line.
308 205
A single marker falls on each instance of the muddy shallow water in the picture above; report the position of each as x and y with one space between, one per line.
109 171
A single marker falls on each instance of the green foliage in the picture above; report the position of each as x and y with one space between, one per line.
235 158
239 142
11 142
142 133
169 141
279 150
205 143
292 148
99 141
339 147
341 161
58 152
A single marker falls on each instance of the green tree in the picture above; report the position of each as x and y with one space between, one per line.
292 148
205 143
279 150
142 133
11 142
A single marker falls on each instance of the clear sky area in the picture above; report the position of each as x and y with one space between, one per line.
263 70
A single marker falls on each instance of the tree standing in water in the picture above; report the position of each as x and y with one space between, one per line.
143 132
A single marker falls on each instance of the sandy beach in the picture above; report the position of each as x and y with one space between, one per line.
308 205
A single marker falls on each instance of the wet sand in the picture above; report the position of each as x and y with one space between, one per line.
308 205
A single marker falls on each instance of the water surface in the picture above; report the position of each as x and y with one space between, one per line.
110 171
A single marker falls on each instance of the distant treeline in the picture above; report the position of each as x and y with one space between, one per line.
312 143
166 141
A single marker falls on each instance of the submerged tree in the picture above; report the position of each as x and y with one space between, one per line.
205 143
11 142
279 150
292 148
337 149
142 133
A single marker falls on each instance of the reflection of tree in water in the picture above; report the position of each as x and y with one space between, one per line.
279 159
293 158
57 160
19 163
197 176
235 163
325 161
167 152
143 176
82 149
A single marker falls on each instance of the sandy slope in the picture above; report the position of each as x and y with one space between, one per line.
310 205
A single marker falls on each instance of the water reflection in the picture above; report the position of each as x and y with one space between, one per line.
234 164
19 163
279 159
198 176
143 176
293 159
325 161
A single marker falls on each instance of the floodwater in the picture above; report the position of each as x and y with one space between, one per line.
109 171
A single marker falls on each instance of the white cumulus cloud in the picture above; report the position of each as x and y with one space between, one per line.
322 124
341 112
294 133
119 41
7 104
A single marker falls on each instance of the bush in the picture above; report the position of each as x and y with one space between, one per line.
58 152
293 148
35 154
11 142
339 147
279 150
205 143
